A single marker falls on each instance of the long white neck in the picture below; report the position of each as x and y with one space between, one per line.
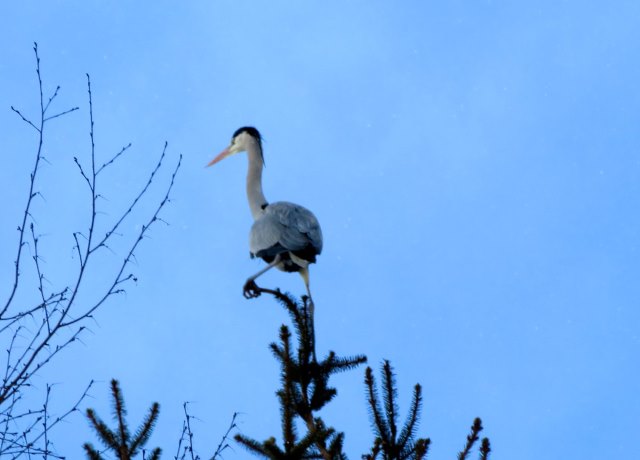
254 180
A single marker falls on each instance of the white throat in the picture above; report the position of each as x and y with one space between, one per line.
256 198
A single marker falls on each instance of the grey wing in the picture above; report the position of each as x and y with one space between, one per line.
286 227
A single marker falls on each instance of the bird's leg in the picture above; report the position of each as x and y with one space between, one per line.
304 273
251 289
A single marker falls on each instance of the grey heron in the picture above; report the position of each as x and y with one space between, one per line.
285 235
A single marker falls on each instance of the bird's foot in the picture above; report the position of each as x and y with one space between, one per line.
251 290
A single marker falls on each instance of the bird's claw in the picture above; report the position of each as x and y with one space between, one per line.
251 290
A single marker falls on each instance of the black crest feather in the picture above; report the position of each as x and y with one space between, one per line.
253 132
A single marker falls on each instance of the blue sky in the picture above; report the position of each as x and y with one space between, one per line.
474 167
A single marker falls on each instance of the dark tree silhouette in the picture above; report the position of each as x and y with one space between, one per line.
388 442
472 438
125 446
305 391
38 319
119 440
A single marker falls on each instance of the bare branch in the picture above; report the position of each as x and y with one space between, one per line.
35 335
73 109
136 199
55 93
124 149
25 119
224 442
119 279
31 188
186 431
86 178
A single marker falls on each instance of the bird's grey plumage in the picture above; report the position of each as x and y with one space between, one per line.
286 228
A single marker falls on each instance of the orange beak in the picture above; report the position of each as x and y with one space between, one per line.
225 153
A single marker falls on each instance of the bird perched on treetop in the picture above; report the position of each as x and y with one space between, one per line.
285 235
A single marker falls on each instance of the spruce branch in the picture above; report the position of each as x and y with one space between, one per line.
119 440
375 409
92 454
384 423
485 449
390 395
422 448
108 437
304 389
143 433
155 454
254 446
119 412
408 430
472 438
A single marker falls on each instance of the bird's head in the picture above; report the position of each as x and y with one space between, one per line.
243 139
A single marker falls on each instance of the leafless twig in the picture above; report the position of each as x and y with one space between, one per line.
185 443
56 318
224 442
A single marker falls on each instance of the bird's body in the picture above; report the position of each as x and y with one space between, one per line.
285 235
288 230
